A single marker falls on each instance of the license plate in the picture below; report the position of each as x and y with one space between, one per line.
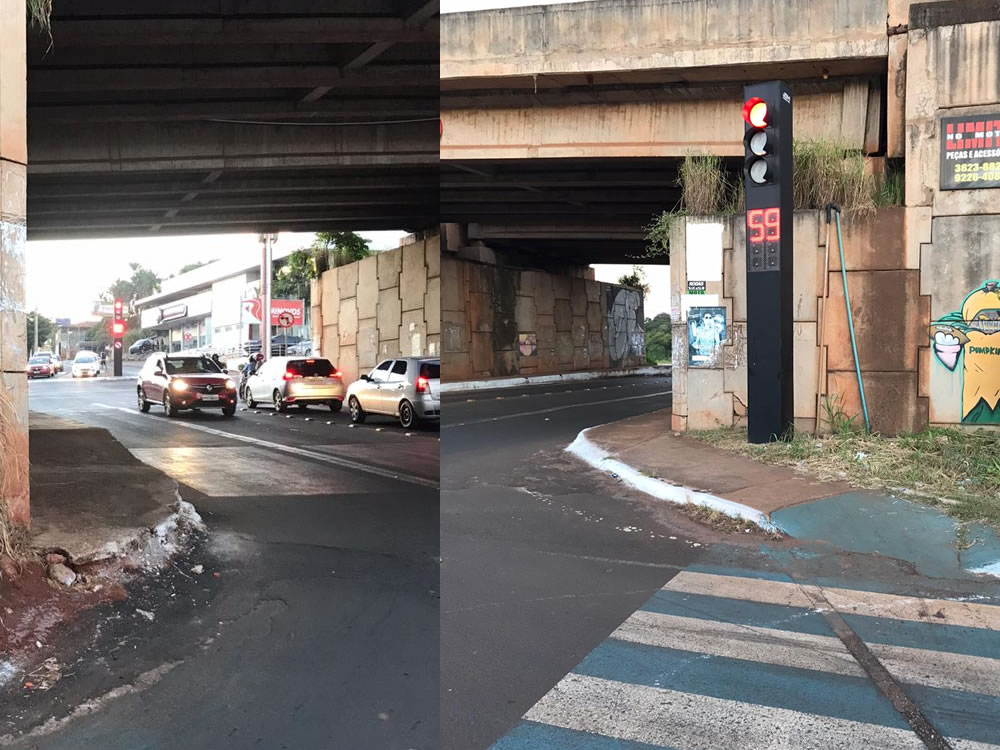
209 398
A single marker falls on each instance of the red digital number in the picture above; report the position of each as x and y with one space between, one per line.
763 225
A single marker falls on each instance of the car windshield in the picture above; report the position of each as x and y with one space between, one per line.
191 366
311 368
430 370
85 358
38 361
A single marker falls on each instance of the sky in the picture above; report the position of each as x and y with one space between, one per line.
66 277
658 278
457 6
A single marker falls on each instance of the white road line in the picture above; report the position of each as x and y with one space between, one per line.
917 666
484 420
687 721
847 601
295 451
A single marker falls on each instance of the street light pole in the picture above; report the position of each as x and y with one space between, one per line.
266 266
35 349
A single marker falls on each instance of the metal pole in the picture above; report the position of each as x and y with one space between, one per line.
265 295
36 332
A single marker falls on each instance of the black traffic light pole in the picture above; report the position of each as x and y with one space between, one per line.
118 333
768 139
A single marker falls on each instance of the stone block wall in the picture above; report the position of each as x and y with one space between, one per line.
500 321
387 305
890 321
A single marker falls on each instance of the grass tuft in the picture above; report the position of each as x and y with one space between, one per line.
13 478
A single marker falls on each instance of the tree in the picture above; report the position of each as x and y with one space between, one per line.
194 266
658 339
636 280
342 248
44 331
292 276
143 283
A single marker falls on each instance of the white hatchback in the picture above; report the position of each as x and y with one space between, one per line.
299 381
86 365
408 388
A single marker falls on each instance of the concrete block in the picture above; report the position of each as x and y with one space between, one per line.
347 322
367 345
505 363
918 232
962 257
893 403
13 191
413 334
480 311
482 353
388 349
595 343
389 312
806 366
548 362
525 313
593 291
579 331
347 363
546 331
807 273
432 255
872 244
390 263
581 358
561 287
578 296
678 422
538 284
564 347
734 274
709 406
432 306
453 286
413 278
14 387
886 309
367 287
595 321
896 95
330 344
434 345
330 296
347 280
454 332
13 340
456 366
563 315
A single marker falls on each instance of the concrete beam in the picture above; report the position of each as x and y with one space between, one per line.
610 35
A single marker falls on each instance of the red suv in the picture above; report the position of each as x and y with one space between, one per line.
178 382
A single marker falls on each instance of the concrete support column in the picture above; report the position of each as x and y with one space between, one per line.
13 344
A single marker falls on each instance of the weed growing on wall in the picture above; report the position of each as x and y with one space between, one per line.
13 478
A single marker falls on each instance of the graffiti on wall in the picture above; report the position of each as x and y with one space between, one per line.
626 335
706 334
972 335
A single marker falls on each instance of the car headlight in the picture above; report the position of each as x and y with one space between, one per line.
230 385
178 385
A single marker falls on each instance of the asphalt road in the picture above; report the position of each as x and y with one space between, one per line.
541 560
578 615
321 628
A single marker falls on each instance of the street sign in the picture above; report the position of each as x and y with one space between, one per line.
294 307
285 319
767 172
970 152
63 322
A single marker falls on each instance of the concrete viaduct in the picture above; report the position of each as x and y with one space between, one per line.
196 116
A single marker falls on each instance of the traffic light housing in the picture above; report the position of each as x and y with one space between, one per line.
118 332
767 180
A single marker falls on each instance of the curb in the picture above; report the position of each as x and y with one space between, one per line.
593 455
483 385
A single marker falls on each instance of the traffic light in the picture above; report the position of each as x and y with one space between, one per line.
767 179
117 332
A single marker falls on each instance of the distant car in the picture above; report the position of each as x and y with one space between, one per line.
408 388
281 345
143 346
86 365
301 349
40 366
178 382
298 381
56 362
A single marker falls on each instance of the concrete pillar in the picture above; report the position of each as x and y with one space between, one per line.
13 344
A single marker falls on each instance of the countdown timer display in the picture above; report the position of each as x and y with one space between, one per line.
764 239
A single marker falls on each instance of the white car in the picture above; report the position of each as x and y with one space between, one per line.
300 381
86 365
408 388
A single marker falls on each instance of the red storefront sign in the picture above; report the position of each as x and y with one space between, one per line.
281 310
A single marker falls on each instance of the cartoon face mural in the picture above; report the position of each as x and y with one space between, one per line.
973 335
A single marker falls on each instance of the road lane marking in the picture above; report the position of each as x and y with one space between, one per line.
295 451
688 721
484 420
846 601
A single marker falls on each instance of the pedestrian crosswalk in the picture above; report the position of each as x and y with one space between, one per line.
722 659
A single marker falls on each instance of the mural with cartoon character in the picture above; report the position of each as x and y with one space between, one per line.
973 335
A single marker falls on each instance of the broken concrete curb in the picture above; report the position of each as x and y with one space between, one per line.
483 385
595 456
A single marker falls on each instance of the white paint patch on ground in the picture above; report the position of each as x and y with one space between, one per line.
483 385
595 456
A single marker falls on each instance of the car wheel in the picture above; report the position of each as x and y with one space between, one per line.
229 410
168 406
357 413
302 407
143 403
279 402
407 415
336 405
249 399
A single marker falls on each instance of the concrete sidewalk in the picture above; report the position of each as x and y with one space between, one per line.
645 453
93 500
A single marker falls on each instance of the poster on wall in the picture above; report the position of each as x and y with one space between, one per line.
696 287
528 344
970 152
706 334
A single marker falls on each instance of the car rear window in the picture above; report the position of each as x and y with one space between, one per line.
38 361
311 368
430 370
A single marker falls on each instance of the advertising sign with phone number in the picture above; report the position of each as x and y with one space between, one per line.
970 152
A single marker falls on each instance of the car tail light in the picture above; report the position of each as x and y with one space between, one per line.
289 375
336 375
423 384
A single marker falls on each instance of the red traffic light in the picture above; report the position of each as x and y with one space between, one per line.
118 305
118 329
755 112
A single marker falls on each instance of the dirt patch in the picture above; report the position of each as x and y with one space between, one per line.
33 608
